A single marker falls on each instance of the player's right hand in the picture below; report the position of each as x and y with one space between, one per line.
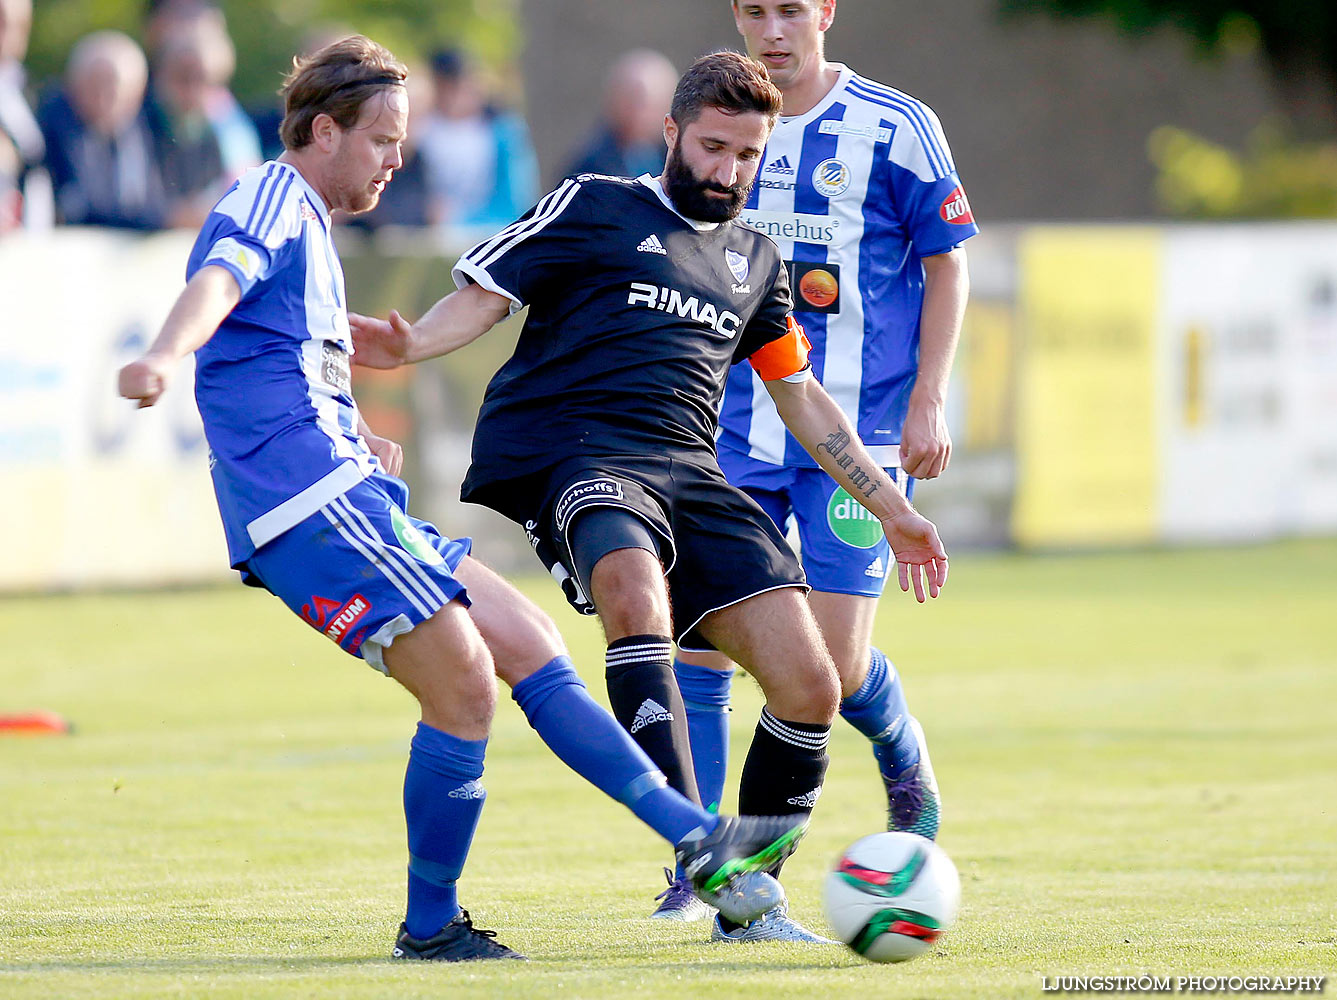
144 380
380 343
921 559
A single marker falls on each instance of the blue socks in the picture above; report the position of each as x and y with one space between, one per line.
592 743
442 802
705 692
878 710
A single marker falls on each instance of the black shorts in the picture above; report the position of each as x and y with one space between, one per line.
717 546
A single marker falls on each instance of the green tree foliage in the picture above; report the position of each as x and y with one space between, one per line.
1289 165
1275 177
268 32
1297 38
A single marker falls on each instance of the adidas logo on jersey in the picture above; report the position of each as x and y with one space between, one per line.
648 714
651 244
779 166
808 801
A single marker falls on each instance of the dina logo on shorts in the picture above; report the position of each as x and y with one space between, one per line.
579 494
851 522
413 540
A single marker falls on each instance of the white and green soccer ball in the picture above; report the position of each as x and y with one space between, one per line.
892 895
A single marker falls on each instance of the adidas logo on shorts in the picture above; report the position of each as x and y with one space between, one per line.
808 801
648 714
651 244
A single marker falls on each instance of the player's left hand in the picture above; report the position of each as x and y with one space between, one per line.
380 343
920 556
144 379
389 452
926 444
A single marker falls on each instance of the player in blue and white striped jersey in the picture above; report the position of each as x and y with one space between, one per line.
860 191
314 513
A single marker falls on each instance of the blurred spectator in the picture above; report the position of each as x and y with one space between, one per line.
630 140
11 198
480 166
99 149
200 151
163 18
199 28
25 188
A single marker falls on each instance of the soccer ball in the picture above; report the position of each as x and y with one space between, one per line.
891 895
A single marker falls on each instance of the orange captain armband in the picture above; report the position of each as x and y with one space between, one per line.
785 356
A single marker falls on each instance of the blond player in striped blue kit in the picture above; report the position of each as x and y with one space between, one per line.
859 190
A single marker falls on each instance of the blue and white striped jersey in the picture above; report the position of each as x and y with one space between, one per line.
855 192
273 384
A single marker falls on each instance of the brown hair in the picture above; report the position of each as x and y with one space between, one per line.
729 81
335 81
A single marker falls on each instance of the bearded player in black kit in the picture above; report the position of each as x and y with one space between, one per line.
597 436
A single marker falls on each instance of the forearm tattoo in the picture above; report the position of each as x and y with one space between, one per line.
835 445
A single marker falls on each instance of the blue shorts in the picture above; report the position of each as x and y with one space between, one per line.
361 570
844 549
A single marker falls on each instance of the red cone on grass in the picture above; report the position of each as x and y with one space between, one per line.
39 723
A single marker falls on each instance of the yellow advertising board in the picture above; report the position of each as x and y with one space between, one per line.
1087 462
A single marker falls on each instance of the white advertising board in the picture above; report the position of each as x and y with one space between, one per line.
96 492
1247 400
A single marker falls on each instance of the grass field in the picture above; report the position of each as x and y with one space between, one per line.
1138 754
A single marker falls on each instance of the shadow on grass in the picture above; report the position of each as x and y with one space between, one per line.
240 965
237 963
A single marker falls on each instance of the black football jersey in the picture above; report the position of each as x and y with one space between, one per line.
635 317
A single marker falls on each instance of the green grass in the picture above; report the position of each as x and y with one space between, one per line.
1138 754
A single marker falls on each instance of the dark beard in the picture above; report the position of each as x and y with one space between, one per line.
688 192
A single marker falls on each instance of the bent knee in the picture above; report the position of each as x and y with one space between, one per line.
459 700
807 691
821 683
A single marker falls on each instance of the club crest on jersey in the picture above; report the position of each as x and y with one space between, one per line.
670 300
831 178
738 267
955 209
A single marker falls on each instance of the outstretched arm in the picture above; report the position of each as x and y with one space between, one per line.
458 319
817 421
208 297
